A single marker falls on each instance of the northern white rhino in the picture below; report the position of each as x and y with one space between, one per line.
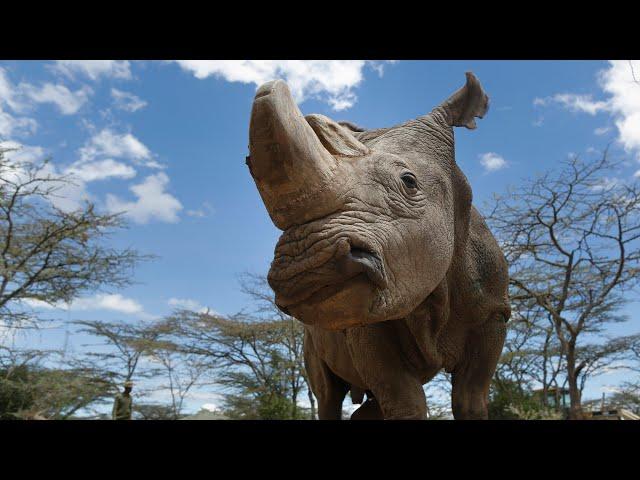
383 258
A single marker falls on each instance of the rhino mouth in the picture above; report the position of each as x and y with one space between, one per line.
317 285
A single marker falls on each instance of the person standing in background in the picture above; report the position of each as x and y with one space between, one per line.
123 403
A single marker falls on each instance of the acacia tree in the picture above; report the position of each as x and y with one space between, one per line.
257 357
290 337
571 239
47 254
120 350
153 411
246 356
39 384
526 353
16 394
531 356
628 393
182 372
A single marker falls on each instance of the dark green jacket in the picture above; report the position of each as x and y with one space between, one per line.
122 407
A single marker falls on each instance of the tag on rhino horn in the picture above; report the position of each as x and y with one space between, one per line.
338 140
468 102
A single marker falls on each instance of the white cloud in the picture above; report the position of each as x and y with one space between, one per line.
574 102
127 101
17 159
101 170
152 202
6 90
110 144
331 80
378 66
73 193
580 103
201 212
492 161
23 96
622 103
94 69
9 95
20 154
114 302
11 126
606 183
609 389
602 130
69 196
187 304
9 98
68 102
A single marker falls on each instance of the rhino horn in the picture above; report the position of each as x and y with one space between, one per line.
286 158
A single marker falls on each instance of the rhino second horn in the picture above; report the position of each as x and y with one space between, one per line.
287 160
337 139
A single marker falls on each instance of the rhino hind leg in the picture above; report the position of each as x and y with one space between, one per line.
369 410
471 378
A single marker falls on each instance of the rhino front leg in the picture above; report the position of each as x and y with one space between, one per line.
327 387
472 376
397 391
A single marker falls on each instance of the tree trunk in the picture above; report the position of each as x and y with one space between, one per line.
294 406
575 396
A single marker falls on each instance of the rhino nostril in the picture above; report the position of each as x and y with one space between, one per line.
362 260
361 252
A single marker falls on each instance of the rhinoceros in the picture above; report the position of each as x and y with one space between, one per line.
383 258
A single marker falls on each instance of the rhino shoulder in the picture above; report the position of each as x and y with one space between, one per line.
483 278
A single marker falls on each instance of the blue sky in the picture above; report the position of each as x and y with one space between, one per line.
167 141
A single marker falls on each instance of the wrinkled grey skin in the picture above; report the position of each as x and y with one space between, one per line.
382 257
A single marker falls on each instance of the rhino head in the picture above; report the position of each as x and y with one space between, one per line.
372 221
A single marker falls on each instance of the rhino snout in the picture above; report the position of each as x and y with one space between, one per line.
347 262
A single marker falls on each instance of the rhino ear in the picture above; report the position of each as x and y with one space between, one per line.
468 102
338 140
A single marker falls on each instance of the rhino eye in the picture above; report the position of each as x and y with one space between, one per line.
409 181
